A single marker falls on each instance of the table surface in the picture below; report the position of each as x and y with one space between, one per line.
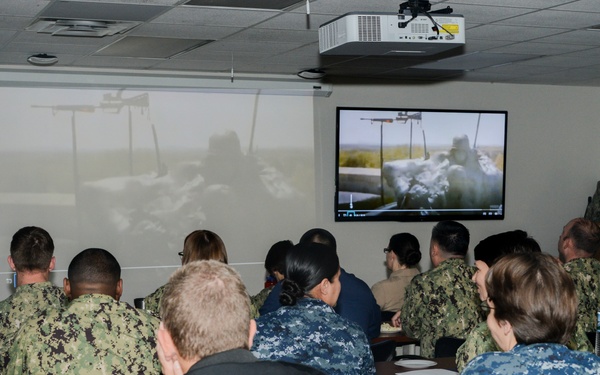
399 337
389 368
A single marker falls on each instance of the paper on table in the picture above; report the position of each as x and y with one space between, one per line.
434 371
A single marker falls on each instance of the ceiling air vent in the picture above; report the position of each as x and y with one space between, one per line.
85 28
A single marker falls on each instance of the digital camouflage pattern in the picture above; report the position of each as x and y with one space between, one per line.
585 273
480 341
257 301
312 333
28 301
535 359
441 302
152 301
94 334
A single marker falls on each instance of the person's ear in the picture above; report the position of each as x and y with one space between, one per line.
67 288
119 289
506 327
251 333
11 263
52 264
324 287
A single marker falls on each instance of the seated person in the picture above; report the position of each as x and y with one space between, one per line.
443 301
31 258
275 266
206 326
401 257
532 314
355 303
95 333
306 329
487 253
198 245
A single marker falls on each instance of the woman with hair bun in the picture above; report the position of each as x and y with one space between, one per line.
306 329
402 255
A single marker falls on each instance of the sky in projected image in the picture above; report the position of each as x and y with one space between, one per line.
136 171
439 128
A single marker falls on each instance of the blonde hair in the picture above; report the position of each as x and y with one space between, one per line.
203 245
206 309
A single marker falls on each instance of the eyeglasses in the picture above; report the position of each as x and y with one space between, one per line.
180 254
485 306
386 250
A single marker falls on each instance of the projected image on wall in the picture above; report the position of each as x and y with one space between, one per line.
136 171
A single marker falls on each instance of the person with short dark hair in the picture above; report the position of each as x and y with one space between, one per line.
206 327
306 329
442 301
198 245
487 252
275 266
532 306
577 245
356 302
31 258
402 255
95 333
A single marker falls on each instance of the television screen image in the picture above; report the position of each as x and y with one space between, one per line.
420 164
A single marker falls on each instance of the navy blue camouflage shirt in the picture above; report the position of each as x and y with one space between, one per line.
535 359
312 333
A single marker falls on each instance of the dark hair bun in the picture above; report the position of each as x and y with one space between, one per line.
407 249
290 292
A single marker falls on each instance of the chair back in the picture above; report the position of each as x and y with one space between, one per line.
447 346
383 350
138 303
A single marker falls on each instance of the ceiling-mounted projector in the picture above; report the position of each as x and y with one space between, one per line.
391 34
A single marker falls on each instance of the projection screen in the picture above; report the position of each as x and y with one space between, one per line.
135 171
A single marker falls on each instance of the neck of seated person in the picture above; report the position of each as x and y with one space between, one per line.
76 290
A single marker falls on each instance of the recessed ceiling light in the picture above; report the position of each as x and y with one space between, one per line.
42 59
311 74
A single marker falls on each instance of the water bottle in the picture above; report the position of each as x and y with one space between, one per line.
597 348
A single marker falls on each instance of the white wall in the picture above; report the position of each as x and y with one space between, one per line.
551 163
551 170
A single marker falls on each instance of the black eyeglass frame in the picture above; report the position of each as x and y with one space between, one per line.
387 250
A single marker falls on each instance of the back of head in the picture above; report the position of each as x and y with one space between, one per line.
452 237
307 264
407 249
319 235
206 309
31 249
94 266
586 235
203 245
492 248
275 260
535 294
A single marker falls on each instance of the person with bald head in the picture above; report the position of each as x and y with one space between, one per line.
95 333
577 244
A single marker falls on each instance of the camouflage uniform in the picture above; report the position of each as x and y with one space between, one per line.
94 334
312 333
535 359
257 301
152 301
480 341
441 302
28 301
585 273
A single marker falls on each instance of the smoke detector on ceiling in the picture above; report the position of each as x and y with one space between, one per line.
85 28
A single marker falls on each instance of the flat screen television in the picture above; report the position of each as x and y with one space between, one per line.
406 164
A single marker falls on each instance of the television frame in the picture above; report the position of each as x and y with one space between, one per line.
437 162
